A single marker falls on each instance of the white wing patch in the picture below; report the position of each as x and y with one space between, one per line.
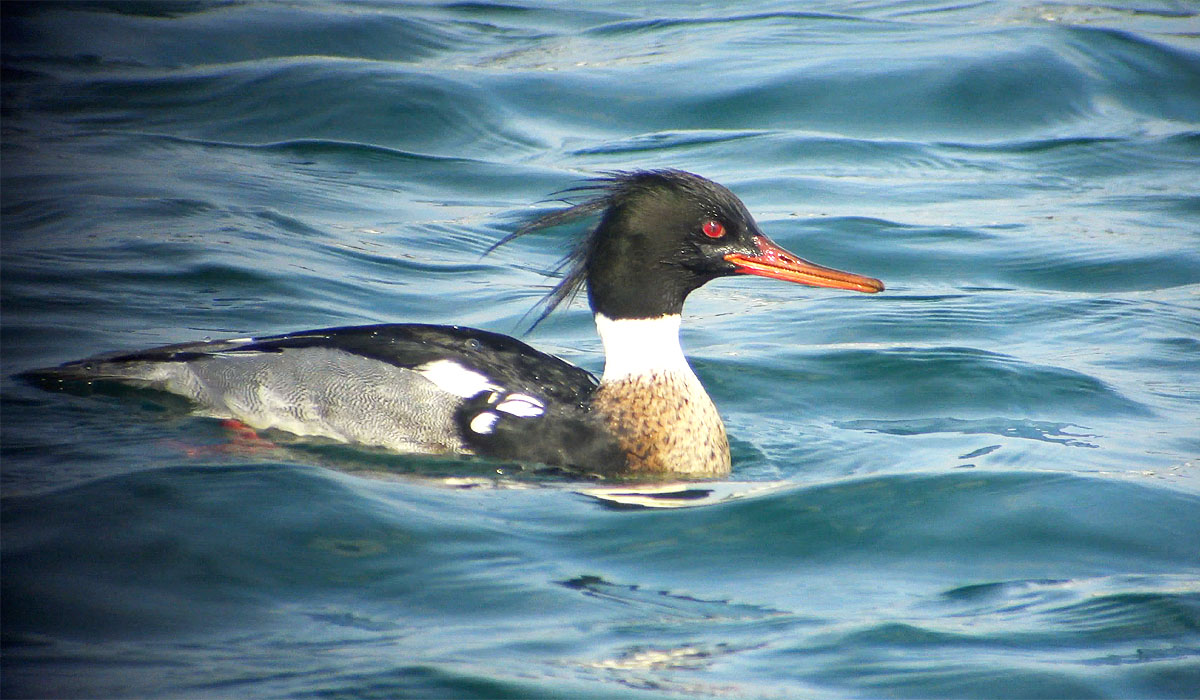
521 406
453 378
484 422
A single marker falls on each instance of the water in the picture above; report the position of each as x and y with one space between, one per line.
983 482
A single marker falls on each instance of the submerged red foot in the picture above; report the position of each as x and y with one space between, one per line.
243 441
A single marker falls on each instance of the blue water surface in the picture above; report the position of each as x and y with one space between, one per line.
984 481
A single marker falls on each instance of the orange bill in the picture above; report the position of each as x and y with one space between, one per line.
777 263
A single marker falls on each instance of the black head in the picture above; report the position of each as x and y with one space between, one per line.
663 234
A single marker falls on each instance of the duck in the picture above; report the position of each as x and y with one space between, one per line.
435 389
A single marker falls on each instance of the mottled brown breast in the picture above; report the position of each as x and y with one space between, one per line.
666 424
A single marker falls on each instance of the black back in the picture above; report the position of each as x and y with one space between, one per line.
567 434
505 360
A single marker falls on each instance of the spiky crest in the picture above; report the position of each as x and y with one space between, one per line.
607 191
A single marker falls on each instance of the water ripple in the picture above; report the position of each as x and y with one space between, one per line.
1060 433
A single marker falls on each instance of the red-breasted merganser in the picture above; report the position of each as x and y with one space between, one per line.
448 389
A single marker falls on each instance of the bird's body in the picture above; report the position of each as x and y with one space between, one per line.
449 389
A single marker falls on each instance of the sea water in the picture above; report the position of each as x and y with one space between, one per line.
982 482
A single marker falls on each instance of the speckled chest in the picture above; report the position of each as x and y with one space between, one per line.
666 423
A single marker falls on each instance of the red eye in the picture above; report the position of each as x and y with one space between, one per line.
713 229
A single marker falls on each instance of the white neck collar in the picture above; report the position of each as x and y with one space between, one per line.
641 347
